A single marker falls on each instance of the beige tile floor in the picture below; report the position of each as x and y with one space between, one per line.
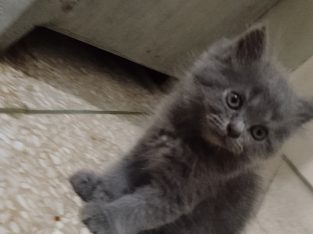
39 152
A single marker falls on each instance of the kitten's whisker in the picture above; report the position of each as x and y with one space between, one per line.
214 119
237 147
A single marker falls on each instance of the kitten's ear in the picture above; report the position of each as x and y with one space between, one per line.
304 111
251 46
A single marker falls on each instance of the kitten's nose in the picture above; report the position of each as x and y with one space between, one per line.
233 130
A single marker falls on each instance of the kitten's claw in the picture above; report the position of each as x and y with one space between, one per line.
84 183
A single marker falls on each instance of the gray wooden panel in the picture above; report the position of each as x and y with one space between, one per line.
18 17
158 34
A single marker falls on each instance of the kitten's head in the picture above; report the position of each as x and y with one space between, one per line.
249 108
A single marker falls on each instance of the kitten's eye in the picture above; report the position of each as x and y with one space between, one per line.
259 132
234 101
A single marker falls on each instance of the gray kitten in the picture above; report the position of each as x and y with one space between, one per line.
194 170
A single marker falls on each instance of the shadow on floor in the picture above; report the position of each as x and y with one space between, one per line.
100 78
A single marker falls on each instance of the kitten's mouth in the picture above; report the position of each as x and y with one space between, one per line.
226 143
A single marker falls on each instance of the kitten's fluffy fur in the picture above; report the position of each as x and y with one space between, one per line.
193 172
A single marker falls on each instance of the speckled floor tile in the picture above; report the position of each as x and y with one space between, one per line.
17 90
37 156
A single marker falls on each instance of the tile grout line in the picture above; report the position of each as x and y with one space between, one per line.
261 16
298 174
25 111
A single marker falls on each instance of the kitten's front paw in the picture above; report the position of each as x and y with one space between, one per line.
97 220
84 183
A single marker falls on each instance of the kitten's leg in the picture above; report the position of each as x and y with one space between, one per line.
109 186
226 213
145 209
84 184
198 221
113 183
